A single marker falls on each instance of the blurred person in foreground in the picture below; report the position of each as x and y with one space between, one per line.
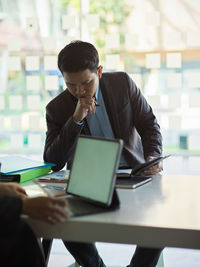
18 244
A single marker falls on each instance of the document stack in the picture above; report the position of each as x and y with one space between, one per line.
25 167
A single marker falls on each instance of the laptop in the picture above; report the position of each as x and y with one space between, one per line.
91 185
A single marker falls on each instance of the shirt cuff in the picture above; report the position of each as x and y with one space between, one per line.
79 123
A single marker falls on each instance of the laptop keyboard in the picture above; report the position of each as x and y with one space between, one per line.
79 207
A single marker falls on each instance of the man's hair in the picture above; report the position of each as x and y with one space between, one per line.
78 56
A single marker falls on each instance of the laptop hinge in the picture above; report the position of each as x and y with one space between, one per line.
115 201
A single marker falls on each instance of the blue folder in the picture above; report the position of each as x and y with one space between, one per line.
14 164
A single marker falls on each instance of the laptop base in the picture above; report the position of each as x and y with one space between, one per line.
80 207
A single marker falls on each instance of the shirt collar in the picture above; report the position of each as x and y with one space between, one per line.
97 93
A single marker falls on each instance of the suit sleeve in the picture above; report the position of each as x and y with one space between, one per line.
60 139
145 122
10 210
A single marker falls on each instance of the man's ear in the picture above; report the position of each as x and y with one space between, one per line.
99 71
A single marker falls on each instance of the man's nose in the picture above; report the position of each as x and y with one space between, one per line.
80 89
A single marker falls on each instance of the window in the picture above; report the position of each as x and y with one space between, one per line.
156 42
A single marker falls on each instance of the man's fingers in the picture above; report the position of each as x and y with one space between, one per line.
58 207
57 214
60 212
153 170
56 218
85 106
21 190
88 105
61 202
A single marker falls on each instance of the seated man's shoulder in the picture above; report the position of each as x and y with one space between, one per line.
118 79
115 75
59 99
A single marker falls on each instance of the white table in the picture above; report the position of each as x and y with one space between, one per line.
164 212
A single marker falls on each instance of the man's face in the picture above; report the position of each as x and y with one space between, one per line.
82 83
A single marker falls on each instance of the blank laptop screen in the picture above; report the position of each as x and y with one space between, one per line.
93 169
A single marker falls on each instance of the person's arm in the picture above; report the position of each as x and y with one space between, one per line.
14 201
61 137
10 210
146 125
12 189
47 209
10 203
145 122
60 140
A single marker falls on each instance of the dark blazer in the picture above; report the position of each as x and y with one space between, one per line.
18 244
130 116
10 210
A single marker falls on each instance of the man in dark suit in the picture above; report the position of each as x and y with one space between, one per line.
100 104
18 244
